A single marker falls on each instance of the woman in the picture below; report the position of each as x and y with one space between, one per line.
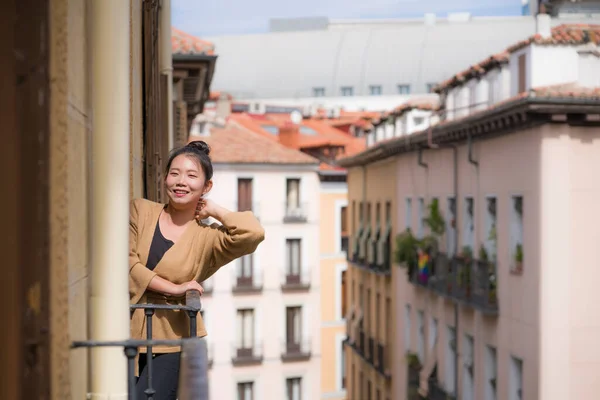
171 251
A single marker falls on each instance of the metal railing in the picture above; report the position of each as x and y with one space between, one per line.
295 280
295 350
193 377
472 282
250 283
295 213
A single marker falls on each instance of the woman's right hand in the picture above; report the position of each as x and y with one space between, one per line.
182 288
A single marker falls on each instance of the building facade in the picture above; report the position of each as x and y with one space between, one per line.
262 311
491 205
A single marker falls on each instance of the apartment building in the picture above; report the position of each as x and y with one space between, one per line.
321 139
263 310
494 278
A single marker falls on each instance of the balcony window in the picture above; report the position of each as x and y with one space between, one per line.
294 388
244 195
294 276
356 240
296 346
246 276
294 210
515 379
372 250
344 308
469 223
407 328
344 229
451 226
366 236
343 366
420 217
491 373
245 391
468 387
246 350
384 248
516 235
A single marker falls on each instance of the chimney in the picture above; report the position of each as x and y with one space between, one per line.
289 135
543 26
224 105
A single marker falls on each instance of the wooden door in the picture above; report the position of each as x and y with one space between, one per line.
244 194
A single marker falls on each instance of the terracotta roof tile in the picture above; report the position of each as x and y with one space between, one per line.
568 90
474 71
184 43
237 145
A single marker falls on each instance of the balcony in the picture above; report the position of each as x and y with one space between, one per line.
437 392
248 284
247 355
296 350
381 363
254 207
295 213
472 282
370 353
295 281
372 255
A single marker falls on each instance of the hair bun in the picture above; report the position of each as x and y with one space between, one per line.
199 145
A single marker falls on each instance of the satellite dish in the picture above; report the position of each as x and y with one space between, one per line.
296 117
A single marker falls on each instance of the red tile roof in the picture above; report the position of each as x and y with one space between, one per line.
235 144
566 34
568 90
184 43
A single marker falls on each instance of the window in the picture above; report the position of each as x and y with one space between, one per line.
408 213
515 379
244 194
468 387
293 247
344 233
319 92
418 121
516 235
490 229
522 74
369 389
492 88
245 270
450 361
403 89
490 373
375 90
245 332
293 194
421 336
407 328
344 295
347 91
472 97
343 361
431 86
451 226
469 224
378 317
293 329
368 311
294 388
420 216
245 391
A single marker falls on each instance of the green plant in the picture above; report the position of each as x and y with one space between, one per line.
492 236
406 248
483 254
429 244
467 253
519 253
435 221
413 360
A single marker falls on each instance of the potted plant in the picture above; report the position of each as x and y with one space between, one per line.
405 252
518 268
483 254
414 366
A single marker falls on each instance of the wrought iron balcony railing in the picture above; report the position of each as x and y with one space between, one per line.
294 281
194 366
247 354
295 213
296 350
250 283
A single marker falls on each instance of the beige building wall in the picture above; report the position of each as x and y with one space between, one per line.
70 199
369 291
544 315
332 265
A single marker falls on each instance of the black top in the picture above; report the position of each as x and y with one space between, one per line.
158 248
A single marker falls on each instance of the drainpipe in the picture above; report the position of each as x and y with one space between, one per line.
420 160
470 145
456 225
109 301
166 65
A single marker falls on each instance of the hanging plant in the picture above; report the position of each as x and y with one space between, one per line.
435 221
406 249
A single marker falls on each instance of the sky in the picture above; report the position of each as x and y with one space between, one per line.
205 18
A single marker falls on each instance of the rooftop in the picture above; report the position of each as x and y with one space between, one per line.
185 44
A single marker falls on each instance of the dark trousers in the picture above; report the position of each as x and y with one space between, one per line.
165 376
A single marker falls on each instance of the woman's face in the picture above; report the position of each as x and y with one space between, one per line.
186 182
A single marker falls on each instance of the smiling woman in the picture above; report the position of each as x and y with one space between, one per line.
172 251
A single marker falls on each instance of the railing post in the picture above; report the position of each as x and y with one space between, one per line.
131 353
192 299
193 377
150 390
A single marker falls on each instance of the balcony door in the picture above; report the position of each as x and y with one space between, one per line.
245 332
294 388
293 197
245 271
245 195
293 267
245 391
293 329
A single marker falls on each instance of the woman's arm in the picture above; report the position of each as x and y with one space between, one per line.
161 285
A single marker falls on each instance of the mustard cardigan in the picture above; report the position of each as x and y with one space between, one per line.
198 253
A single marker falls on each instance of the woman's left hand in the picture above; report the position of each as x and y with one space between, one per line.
208 208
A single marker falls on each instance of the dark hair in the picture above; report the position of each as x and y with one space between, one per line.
197 149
